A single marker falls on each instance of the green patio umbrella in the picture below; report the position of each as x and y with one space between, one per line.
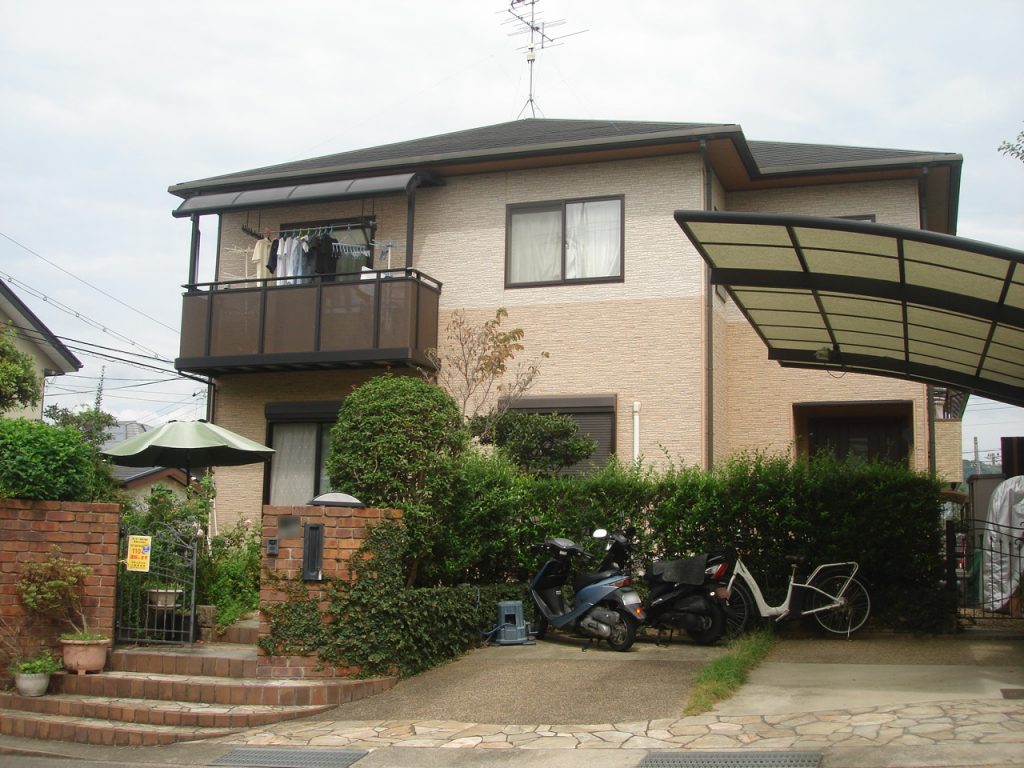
187 444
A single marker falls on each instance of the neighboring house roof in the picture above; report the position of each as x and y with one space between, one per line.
738 163
58 358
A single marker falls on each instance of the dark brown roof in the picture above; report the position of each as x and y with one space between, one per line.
539 137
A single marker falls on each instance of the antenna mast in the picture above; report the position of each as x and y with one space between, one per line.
526 20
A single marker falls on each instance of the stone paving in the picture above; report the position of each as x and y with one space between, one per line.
930 724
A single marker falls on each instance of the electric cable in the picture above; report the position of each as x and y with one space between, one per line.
86 282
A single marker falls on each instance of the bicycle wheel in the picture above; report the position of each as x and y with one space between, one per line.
853 611
740 612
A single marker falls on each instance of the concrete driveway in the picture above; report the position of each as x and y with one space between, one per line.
550 681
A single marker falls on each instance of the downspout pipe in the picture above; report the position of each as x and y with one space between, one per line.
636 433
709 332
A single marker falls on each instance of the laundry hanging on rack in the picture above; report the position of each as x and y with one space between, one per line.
300 254
261 257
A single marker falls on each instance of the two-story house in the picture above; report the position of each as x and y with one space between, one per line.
49 355
569 225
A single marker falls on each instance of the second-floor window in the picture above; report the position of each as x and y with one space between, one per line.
564 242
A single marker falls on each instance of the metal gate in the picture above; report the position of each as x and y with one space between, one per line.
156 585
988 561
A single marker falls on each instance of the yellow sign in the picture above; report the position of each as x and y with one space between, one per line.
138 553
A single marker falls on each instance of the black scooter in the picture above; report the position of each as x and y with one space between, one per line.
605 605
688 594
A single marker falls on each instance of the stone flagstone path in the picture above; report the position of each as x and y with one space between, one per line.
961 722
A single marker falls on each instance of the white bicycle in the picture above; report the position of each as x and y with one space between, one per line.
832 595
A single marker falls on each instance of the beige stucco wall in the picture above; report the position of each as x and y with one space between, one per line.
640 339
949 456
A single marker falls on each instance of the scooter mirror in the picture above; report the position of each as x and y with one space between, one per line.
600 533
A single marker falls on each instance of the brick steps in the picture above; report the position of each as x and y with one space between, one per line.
152 696
158 712
213 660
33 725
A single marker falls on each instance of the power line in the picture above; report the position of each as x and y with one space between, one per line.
70 311
86 282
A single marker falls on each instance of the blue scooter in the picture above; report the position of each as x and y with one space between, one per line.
606 606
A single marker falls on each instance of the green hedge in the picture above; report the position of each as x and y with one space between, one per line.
41 461
883 516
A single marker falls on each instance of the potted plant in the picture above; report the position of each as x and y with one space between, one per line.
32 676
53 588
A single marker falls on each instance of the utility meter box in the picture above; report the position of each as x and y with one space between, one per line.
511 625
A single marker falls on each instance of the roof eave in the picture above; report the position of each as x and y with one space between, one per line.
908 161
62 358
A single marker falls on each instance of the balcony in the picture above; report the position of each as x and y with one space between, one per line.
361 320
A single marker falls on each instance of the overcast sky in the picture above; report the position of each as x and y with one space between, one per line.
108 103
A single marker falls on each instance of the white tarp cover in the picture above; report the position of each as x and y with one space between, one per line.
1004 539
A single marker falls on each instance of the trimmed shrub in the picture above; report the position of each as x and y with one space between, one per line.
43 462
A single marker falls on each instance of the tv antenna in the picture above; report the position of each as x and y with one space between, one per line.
526 20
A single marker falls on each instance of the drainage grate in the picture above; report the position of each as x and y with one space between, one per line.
731 760
289 757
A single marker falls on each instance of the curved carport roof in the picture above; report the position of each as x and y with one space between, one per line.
856 296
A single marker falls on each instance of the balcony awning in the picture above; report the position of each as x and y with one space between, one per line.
300 193
855 296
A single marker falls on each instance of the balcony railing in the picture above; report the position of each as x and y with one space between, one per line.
360 320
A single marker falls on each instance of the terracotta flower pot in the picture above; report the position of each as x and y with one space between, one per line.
81 656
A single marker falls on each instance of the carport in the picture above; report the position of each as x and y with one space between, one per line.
849 295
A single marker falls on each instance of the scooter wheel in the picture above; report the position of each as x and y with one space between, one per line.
715 628
623 633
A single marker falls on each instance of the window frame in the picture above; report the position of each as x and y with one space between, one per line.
545 206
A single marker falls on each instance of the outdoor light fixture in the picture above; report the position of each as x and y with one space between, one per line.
336 500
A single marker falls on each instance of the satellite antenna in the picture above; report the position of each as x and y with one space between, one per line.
526 20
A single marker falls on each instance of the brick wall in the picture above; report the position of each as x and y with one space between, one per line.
86 533
345 529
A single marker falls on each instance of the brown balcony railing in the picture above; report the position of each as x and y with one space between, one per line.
365 319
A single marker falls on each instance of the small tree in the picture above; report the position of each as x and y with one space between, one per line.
94 426
477 370
396 444
541 443
19 385
53 588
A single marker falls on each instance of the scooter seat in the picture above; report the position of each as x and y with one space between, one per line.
591 577
689 571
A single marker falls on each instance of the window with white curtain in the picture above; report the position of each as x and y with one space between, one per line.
561 242
300 434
